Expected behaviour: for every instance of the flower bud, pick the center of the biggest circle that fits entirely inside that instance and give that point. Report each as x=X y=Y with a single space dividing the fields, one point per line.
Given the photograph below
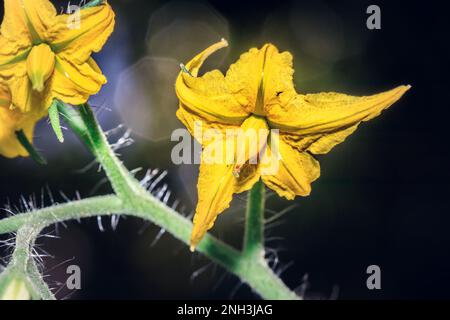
x=40 y=65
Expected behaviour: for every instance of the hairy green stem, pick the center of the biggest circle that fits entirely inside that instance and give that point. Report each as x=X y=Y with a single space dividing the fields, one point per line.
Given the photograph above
x=254 y=222
x=22 y=267
x=41 y=289
x=84 y=124
x=134 y=200
x=123 y=183
x=255 y=273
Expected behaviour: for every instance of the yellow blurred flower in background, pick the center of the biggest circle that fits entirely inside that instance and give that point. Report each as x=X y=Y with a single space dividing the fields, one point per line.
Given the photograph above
x=257 y=93
x=46 y=56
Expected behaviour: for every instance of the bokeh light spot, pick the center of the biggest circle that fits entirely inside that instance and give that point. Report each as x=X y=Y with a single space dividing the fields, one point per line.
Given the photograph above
x=181 y=29
x=145 y=97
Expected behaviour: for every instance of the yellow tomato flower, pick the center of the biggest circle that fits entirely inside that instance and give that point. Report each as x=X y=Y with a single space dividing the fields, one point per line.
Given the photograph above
x=257 y=92
x=44 y=56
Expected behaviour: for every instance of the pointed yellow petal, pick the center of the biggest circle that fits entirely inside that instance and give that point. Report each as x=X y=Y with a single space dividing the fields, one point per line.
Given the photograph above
x=40 y=66
x=217 y=182
x=11 y=52
x=195 y=124
x=208 y=97
x=318 y=122
x=215 y=191
x=73 y=83
x=245 y=76
x=319 y=143
x=14 y=26
x=216 y=186
x=91 y=62
x=329 y=112
x=23 y=96
x=293 y=172
x=261 y=75
x=76 y=40
x=196 y=63
x=84 y=76
x=13 y=74
x=28 y=21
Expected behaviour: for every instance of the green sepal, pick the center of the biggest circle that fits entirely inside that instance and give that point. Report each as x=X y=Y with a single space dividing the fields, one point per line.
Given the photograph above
x=34 y=154
x=53 y=115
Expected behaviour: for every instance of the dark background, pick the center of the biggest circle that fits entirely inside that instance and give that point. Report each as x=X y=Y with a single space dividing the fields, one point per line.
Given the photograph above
x=383 y=195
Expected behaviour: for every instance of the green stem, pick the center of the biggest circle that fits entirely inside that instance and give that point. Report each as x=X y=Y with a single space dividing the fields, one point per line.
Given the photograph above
x=254 y=222
x=84 y=124
x=136 y=201
x=22 y=264
x=253 y=272
x=40 y=288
